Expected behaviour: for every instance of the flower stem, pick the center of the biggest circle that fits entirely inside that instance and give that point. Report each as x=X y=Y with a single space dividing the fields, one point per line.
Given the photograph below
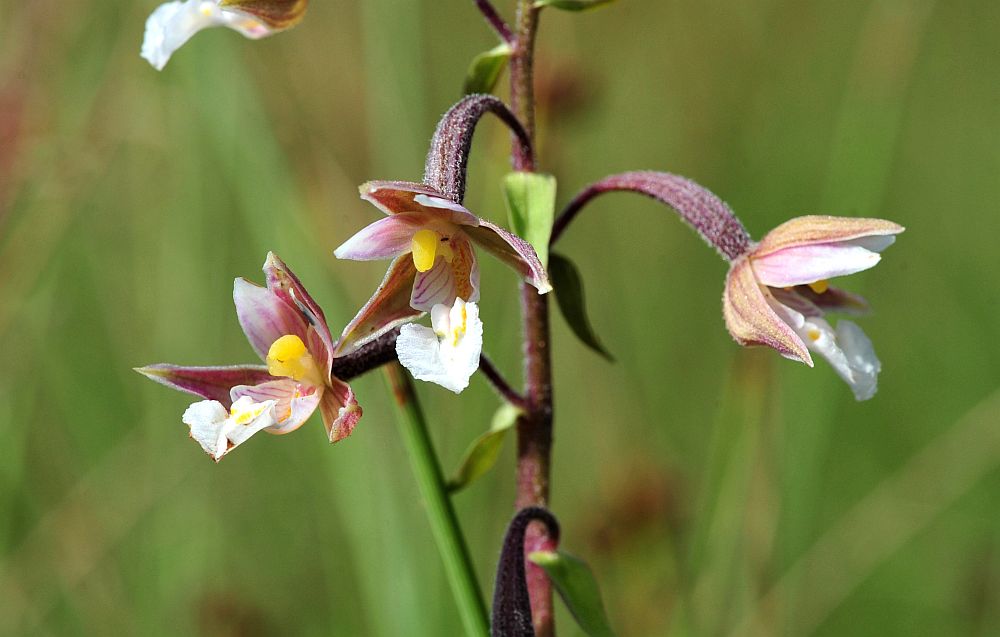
x=490 y=13
x=444 y=523
x=534 y=428
x=500 y=383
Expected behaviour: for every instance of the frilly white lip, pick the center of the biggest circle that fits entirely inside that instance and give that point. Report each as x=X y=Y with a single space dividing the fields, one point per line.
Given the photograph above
x=448 y=353
x=174 y=23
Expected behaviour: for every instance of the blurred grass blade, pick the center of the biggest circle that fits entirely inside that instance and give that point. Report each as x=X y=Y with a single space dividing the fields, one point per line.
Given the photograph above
x=485 y=69
x=578 y=589
x=531 y=202
x=483 y=452
x=568 y=285
x=572 y=5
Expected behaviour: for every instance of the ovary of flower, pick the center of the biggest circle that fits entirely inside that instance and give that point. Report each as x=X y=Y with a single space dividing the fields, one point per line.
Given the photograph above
x=288 y=356
x=426 y=245
x=448 y=352
x=219 y=431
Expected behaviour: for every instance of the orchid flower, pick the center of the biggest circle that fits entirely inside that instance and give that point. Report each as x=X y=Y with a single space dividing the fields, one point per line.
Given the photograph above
x=289 y=332
x=777 y=293
x=174 y=23
x=434 y=266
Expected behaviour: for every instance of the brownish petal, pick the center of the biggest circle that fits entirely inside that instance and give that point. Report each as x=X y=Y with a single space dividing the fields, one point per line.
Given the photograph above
x=814 y=229
x=512 y=250
x=835 y=300
x=277 y=14
x=286 y=286
x=388 y=307
x=395 y=197
x=750 y=319
x=211 y=383
x=340 y=410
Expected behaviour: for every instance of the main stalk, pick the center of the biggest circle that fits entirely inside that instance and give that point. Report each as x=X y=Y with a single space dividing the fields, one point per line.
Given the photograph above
x=534 y=429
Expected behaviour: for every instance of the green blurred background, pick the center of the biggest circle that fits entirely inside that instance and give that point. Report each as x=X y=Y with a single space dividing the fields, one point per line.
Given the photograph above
x=714 y=490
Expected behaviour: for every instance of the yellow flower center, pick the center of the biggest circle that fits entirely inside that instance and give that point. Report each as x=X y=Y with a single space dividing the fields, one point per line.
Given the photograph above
x=289 y=357
x=458 y=331
x=820 y=286
x=426 y=245
x=246 y=413
x=813 y=335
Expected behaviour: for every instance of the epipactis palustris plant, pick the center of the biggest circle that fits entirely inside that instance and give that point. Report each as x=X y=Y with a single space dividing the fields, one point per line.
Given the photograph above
x=288 y=331
x=777 y=294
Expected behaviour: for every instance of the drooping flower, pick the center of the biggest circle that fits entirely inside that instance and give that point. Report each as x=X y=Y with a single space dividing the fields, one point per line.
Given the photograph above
x=430 y=241
x=777 y=293
x=446 y=353
x=174 y=23
x=290 y=334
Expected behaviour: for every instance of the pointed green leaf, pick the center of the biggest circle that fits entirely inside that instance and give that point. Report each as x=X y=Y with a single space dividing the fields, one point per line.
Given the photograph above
x=572 y=5
x=568 y=286
x=485 y=69
x=579 y=591
x=483 y=452
x=531 y=202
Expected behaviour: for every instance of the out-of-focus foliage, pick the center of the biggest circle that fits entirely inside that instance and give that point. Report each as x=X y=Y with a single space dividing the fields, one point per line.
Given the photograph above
x=713 y=490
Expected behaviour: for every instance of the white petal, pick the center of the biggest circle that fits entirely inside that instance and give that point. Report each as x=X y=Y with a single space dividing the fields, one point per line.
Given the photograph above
x=874 y=243
x=860 y=354
x=206 y=420
x=219 y=431
x=174 y=23
x=808 y=264
x=450 y=361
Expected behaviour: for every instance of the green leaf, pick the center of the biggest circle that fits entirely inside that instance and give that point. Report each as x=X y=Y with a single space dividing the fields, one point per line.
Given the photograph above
x=578 y=589
x=483 y=452
x=572 y=5
x=531 y=202
x=568 y=286
x=485 y=69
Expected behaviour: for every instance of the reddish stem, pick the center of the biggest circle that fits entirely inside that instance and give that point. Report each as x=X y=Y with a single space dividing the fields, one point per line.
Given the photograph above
x=498 y=23
x=534 y=428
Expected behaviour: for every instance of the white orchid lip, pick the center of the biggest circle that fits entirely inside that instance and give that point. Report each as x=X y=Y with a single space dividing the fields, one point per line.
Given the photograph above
x=172 y=24
x=447 y=353
x=219 y=431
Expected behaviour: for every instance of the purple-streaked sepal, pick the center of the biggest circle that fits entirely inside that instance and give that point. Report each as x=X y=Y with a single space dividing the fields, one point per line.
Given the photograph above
x=750 y=318
x=388 y=307
x=264 y=316
x=340 y=410
x=810 y=230
x=396 y=197
x=512 y=250
x=283 y=283
x=211 y=383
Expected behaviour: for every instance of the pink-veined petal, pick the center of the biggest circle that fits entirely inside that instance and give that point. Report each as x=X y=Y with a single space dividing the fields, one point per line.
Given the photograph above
x=264 y=317
x=212 y=383
x=815 y=229
x=388 y=307
x=340 y=410
x=750 y=319
x=387 y=238
x=294 y=402
x=465 y=268
x=513 y=251
x=395 y=197
x=434 y=286
x=811 y=263
x=218 y=431
x=283 y=283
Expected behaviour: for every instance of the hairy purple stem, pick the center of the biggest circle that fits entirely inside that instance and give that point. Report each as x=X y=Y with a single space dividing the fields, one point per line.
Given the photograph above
x=495 y=21
x=448 y=157
x=500 y=383
x=512 y=610
x=698 y=207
